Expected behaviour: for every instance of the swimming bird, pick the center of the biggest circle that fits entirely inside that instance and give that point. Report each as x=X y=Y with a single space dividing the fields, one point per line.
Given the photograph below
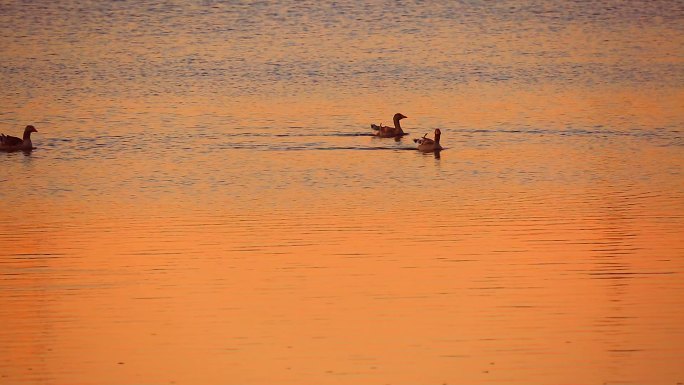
x=12 y=143
x=390 y=132
x=428 y=145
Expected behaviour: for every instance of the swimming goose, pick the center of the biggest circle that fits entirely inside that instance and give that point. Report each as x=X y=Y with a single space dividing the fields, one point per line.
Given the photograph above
x=390 y=132
x=12 y=143
x=429 y=145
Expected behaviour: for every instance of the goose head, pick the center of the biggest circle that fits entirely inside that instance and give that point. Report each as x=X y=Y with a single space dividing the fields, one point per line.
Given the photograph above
x=27 y=132
x=397 y=118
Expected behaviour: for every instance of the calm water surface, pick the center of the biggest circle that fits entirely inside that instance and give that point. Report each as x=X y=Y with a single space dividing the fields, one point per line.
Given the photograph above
x=206 y=204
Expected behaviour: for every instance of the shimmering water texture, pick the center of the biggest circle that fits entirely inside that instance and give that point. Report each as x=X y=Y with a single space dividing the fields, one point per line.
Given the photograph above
x=206 y=203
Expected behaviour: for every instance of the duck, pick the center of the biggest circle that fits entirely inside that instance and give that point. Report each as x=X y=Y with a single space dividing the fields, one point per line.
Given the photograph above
x=10 y=143
x=428 y=145
x=390 y=132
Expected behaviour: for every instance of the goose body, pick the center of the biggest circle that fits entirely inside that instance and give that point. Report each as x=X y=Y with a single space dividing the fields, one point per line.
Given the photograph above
x=429 y=145
x=390 y=132
x=10 y=143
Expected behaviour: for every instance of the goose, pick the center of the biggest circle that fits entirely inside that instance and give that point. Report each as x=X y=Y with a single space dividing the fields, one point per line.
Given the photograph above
x=390 y=132
x=12 y=143
x=429 y=145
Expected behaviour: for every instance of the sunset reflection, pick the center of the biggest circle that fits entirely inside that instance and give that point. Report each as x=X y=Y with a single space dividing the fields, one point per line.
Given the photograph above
x=207 y=203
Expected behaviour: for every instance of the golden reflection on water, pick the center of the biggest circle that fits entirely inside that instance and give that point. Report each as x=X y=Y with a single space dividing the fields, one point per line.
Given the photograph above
x=471 y=106
x=491 y=279
x=211 y=210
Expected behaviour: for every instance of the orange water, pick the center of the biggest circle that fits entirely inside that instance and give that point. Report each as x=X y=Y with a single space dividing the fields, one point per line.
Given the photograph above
x=206 y=204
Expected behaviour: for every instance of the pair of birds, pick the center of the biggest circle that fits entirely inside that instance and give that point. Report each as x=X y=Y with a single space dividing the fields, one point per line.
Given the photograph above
x=425 y=144
x=12 y=143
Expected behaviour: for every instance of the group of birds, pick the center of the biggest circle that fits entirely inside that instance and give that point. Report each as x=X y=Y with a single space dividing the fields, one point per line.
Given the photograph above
x=12 y=143
x=425 y=144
